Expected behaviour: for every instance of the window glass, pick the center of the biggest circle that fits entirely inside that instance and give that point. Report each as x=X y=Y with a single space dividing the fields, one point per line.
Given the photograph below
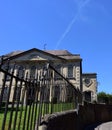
x=9 y=71
x=21 y=71
x=18 y=93
x=70 y=71
x=58 y=69
x=5 y=94
x=32 y=72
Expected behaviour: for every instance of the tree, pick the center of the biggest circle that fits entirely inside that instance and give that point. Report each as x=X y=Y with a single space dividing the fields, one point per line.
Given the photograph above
x=109 y=98
x=104 y=98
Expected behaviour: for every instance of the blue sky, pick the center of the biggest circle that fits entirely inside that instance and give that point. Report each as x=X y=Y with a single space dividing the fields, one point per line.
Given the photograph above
x=81 y=26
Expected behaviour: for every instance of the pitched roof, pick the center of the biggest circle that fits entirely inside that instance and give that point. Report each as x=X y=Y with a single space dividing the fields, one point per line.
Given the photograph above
x=58 y=52
x=13 y=53
x=16 y=54
x=63 y=54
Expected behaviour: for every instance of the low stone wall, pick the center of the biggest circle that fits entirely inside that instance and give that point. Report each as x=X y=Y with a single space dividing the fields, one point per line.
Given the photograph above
x=77 y=119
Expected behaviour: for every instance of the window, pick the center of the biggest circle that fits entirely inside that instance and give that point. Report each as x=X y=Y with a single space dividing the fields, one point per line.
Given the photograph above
x=32 y=72
x=9 y=71
x=58 y=69
x=5 y=94
x=87 y=82
x=21 y=71
x=6 y=67
x=70 y=71
x=18 y=93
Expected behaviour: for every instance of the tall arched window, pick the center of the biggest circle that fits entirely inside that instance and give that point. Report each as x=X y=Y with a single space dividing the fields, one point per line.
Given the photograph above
x=32 y=72
x=9 y=71
x=5 y=94
x=21 y=71
x=70 y=71
x=58 y=69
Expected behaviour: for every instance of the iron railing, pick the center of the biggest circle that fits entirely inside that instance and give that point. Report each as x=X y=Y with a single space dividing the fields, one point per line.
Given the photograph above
x=25 y=100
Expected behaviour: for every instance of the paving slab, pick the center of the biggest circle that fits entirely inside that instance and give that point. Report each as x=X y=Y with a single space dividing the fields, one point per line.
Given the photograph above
x=105 y=126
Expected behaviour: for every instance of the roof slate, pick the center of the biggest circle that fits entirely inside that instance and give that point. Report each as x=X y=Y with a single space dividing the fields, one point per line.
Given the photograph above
x=58 y=52
x=64 y=54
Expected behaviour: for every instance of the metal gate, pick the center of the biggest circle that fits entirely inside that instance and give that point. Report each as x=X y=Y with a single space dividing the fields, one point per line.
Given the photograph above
x=24 y=100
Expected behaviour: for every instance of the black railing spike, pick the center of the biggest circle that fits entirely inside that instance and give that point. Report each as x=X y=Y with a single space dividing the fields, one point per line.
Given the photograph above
x=37 y=96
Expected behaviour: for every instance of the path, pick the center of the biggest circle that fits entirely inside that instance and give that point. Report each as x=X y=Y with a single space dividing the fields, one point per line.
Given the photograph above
x=102 y=126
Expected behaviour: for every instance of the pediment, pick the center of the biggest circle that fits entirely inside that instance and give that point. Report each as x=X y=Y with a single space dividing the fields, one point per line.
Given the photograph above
x=34 y=55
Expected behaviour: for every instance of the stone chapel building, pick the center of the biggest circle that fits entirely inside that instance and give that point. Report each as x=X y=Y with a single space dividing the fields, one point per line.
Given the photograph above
x=66 y=63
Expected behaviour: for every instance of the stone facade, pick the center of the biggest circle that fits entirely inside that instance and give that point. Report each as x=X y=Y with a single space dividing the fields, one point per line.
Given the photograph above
x=89 y=81
x=66 y=63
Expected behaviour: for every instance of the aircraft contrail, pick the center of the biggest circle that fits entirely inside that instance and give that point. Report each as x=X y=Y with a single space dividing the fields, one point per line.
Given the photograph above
x=82 y=5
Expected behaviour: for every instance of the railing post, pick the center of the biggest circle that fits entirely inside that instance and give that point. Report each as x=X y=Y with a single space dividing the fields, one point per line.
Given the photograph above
x=42 y=98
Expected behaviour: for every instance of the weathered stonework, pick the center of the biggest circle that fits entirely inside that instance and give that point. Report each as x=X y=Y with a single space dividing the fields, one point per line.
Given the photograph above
x=33 y=61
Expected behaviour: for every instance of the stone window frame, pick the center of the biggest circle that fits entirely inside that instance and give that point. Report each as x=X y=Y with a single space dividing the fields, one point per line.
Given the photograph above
x=59 y=70
x=70 y=68
x=5 y=93
x=32 y=71
x=9 y=70
x=87 y=81
x=21 y=71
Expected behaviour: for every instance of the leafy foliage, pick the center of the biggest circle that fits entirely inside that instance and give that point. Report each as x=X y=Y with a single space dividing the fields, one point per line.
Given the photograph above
x=104 y=98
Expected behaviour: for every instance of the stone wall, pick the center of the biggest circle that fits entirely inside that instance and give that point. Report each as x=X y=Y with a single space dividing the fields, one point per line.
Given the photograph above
x=77 y=120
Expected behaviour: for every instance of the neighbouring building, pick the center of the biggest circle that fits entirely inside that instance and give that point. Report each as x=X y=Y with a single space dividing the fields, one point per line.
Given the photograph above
x=66 y=63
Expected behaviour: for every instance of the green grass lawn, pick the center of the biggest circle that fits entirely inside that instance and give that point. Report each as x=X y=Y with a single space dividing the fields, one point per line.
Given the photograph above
x=19 y=120
x=31 y=112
